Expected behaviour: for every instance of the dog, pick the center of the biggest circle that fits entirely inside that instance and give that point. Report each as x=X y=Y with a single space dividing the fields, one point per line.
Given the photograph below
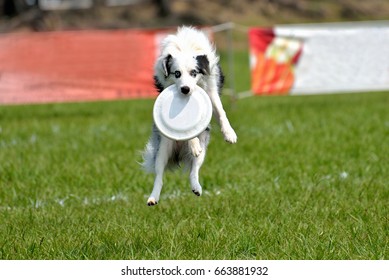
x=187 y=59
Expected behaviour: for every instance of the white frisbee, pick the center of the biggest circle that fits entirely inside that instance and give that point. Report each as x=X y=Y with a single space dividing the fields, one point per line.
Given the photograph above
x=182 y=117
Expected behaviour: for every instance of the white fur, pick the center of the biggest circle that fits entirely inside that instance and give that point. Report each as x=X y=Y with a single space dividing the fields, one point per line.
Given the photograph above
x=181 y=53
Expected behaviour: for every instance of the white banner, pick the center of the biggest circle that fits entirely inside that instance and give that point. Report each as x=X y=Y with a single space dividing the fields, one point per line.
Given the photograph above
x=340 y=57
x=188 y=270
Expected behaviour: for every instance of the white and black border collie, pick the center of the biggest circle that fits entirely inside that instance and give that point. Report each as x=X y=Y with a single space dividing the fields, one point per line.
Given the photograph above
x=187 y=59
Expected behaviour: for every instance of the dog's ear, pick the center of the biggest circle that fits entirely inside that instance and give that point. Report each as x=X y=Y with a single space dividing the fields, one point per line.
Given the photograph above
x=203 y=64
x=166 y=62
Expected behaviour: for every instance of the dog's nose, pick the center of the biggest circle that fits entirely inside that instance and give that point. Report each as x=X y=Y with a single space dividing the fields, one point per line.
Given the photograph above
x=185 y=89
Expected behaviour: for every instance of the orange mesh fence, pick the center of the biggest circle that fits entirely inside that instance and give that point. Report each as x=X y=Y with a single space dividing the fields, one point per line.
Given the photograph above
x=77 y=66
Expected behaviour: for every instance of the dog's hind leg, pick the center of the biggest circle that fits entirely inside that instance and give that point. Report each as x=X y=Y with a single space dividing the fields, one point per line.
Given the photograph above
x=163 y=154
x=195 y=147
x=194 y=173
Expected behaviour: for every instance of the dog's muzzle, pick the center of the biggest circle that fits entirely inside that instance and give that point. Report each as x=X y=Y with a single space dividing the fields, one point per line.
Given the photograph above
x=185 y=90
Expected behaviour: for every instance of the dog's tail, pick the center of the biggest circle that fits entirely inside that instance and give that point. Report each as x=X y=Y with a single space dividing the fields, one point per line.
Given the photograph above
x=148 y=164
x=150 y=152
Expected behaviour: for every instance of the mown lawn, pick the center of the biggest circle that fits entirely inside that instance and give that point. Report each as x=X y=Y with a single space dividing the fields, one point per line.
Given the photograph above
x=308 y=179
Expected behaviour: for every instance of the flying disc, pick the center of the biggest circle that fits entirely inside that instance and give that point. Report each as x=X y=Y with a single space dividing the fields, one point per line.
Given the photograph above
x=182 y=116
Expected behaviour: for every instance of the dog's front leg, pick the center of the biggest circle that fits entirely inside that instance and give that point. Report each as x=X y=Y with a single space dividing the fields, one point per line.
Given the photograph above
x=163 y=154
x=221 y=116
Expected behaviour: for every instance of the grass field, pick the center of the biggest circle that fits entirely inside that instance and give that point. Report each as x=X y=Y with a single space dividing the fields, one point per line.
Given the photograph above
x=308 y=179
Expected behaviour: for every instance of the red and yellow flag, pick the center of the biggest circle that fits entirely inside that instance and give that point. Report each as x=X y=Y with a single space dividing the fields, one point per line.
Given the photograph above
x=272 y=61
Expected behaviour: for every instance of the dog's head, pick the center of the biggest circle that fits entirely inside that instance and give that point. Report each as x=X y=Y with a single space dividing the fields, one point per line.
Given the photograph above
x=185 y=71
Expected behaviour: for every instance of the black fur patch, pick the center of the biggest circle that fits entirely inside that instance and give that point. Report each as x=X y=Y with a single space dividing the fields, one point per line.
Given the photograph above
x=203 y=64
x=158 y=84
x=220 y=82
x=167 y=64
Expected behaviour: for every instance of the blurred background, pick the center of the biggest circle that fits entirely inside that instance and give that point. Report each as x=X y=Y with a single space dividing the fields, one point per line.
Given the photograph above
x=112 y=58
x=49 y=15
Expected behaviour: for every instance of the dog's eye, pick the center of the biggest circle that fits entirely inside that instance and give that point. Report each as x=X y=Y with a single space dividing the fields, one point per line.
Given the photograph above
x=193 y=73
x=177 y=74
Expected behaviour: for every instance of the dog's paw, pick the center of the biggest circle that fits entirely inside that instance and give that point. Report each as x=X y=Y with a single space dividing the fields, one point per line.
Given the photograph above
x=195 y=147
x=196 y=150
x=197 y=190
x=151 y=201
x=230 y=135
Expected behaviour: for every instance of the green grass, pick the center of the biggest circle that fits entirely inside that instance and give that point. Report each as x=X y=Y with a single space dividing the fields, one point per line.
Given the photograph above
x=308 y=179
